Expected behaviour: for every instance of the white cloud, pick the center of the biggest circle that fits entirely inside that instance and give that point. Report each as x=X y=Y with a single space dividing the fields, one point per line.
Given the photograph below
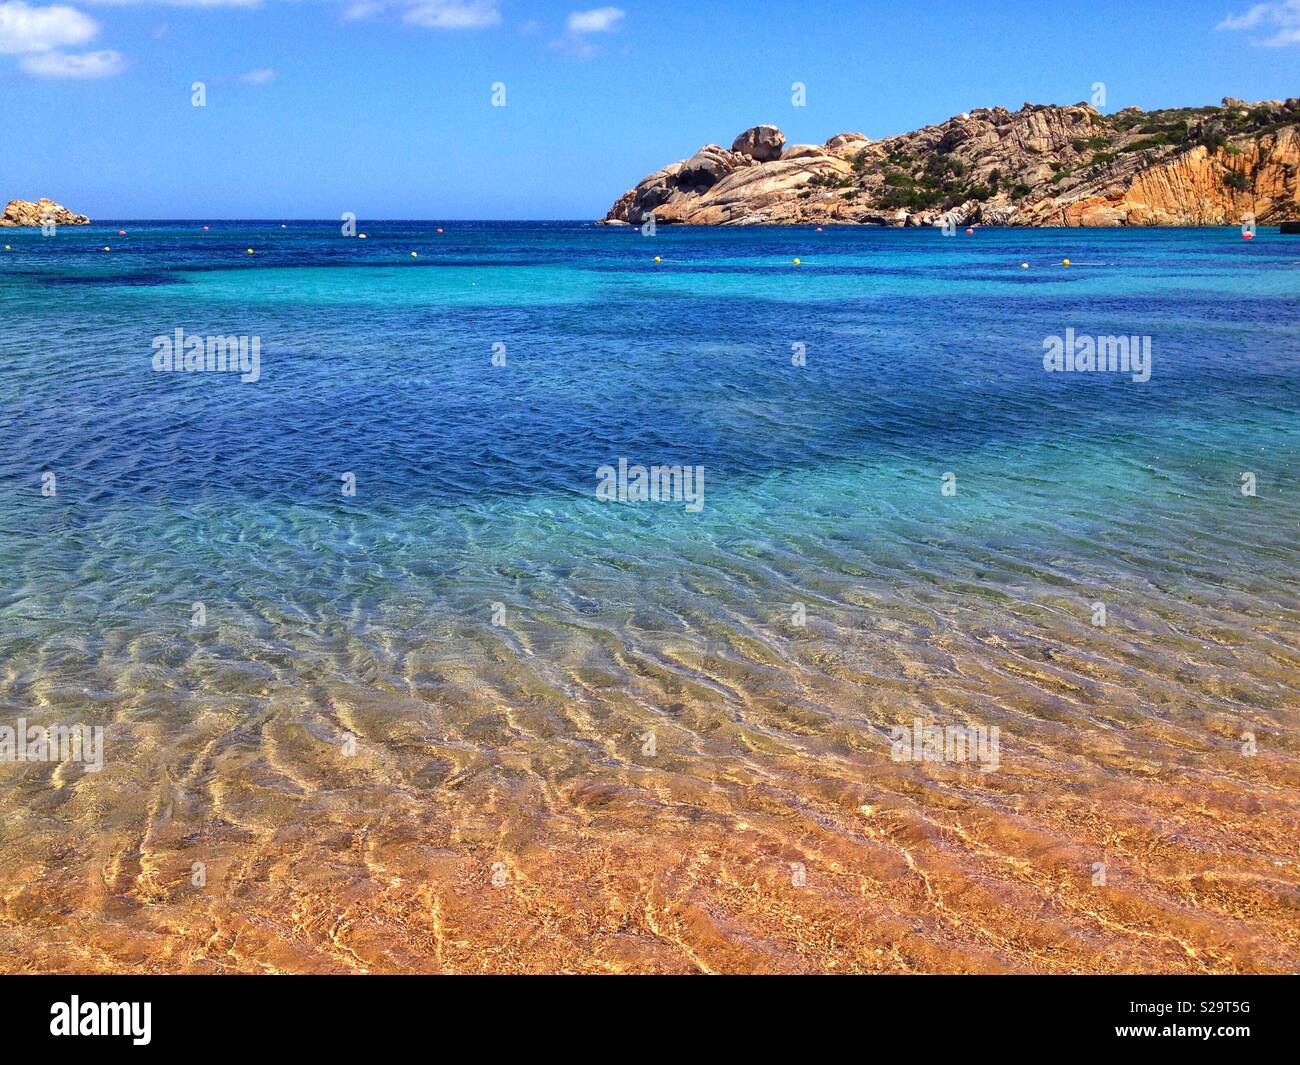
x=26 y=29
x=264 y=76
x=454 y=14
x=1280 y=19
x=597 y=20
x=86 y=65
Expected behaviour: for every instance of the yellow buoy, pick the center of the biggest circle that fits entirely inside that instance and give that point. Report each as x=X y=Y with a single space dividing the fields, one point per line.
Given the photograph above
x=657 y=259
x=250 y=251
x=7 y=247
x=107 y=248
x=1065 y=262
x=796 y=262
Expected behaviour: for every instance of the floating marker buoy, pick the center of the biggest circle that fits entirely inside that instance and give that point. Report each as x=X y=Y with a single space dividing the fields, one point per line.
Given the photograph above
x=121 y=232
x=1065 y=262
x=657 y=259
x=107 y=248
x=1024 y=266
x=414 y=255
x=1248 y=236
x=796 y=262
x=250 y=251
x=205 y=229
x=284 y=227
x=970 y=232
x=439 y=229
x=819 y=229
x=7 y=247
x=361 y=236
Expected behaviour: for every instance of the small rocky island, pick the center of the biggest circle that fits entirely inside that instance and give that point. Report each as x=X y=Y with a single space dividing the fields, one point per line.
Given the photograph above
x=35 y=213
x=1044 y=165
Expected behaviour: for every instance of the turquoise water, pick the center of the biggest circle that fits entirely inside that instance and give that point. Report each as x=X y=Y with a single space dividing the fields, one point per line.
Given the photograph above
x=475 y=611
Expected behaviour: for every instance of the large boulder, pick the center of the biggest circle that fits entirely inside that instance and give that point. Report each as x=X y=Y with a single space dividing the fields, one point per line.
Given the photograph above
x=27 y=213
x=847 y=143
x=708 y=166
x=763 y=144
x=804 y=151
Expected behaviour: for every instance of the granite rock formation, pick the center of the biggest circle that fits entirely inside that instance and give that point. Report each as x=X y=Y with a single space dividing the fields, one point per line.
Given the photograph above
x=1044 y=165
x=29 y=213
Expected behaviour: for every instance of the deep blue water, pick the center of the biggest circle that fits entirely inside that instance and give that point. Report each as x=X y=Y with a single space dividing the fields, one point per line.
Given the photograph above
x=923 y=356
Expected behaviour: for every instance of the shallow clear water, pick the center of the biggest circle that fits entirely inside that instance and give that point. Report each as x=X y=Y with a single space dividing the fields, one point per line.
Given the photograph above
x=412 y=731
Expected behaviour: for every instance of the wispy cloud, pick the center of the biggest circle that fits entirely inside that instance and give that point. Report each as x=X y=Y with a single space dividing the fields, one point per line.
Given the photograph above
x=1279 y=20
x=581 y=24
x=26 y=29
x=179 y=3
x=597 y=20
x=103 y=64
x=362 y=10
x=264 y=76
x=454 y=14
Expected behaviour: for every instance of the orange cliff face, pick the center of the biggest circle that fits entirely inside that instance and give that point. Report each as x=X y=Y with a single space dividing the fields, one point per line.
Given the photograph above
x=1041 y=166
x=1261 y=178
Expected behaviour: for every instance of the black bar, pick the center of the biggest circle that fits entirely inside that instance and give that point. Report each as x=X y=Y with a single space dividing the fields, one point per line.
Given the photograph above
x=337 y=1014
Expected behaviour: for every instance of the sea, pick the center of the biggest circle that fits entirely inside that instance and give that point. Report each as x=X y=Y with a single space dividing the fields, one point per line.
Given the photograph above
x=552 y=597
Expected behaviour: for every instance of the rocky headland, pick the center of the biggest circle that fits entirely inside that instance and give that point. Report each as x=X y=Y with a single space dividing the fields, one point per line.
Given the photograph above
x=1044 y=165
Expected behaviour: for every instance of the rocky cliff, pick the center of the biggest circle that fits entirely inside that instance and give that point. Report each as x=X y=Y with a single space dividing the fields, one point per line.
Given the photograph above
x=1043 y=165
x=27 y=213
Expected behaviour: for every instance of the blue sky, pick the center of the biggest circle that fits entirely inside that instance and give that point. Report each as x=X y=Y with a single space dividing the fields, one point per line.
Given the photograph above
x=384 y=107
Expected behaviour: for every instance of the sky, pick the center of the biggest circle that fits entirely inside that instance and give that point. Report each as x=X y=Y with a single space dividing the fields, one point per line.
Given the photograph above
x=385 y=108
